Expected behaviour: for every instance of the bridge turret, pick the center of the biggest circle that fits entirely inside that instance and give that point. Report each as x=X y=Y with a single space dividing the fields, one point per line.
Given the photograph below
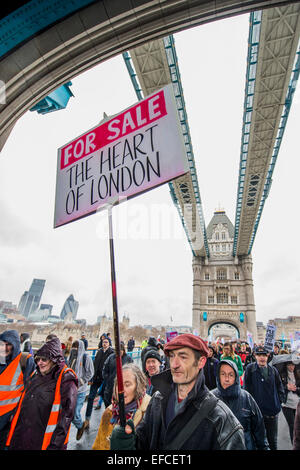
x=223 y=284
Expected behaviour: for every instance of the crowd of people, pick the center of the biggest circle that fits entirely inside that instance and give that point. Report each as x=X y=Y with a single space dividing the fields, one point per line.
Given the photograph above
x=186 y=395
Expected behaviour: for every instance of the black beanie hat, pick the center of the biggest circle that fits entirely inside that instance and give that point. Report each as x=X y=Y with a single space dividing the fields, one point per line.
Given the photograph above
x=152 y=354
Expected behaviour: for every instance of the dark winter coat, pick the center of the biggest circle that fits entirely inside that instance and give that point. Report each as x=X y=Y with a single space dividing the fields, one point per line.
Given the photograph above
x=284 y=378
x=130 y=345
x=99 y=361
x=210 y=372
x=150 y=390
x=109 y=373
x=12 y=337
x=268 y=393
x=38 y=400
x=296 y=439
x=245 y=408
x=220 y=430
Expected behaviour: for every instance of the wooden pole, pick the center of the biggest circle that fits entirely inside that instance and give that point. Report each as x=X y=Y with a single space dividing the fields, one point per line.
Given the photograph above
x=116 y=323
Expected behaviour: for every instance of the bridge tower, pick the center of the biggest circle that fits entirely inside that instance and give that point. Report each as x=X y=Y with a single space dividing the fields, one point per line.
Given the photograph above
x=223 y=284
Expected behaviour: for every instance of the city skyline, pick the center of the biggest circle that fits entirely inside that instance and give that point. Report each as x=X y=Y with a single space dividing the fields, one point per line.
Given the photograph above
x=30 y=302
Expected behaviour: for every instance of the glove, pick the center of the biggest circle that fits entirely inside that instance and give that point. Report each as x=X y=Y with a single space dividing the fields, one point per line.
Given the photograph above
x=120 y=440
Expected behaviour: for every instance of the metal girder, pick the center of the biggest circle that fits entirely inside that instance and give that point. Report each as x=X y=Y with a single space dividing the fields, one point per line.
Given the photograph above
x=151 y=67
x=271 y=78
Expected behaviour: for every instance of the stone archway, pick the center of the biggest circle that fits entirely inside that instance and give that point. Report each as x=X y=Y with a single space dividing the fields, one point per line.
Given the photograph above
x=226 y=333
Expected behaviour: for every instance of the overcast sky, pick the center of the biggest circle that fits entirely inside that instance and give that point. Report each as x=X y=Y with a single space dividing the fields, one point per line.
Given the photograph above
x=153 y=257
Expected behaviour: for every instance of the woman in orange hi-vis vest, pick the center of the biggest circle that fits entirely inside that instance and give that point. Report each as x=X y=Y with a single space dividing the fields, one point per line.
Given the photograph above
x=45 y=411
x=15 y=369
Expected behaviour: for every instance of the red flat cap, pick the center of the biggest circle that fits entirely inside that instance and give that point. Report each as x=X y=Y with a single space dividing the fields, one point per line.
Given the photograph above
x=187 y=340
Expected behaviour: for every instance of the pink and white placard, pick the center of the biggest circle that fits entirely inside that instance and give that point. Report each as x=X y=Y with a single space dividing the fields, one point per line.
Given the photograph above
x=126 y=155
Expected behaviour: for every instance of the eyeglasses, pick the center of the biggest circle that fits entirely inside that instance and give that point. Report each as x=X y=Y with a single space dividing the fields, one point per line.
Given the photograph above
x=43 y=359
x=230 y=375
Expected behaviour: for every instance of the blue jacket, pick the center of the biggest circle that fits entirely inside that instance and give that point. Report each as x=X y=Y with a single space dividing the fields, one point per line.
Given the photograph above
x=12 y=337
x=268 y=393
x=245 y=408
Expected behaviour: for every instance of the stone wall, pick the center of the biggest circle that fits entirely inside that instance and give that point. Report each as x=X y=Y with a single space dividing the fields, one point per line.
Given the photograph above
x=92 y=333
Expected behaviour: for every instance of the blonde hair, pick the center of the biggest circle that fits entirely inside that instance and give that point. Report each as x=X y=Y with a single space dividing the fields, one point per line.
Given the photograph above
x=140 y=380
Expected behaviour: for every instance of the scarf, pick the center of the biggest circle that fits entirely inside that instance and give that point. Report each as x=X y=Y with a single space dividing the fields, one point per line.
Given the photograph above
x=230 y=392
x=130 y=409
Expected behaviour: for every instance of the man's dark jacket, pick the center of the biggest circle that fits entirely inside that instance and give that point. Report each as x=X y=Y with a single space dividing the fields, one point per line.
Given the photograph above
x=268 y=393
x=109 y=373
x=100 y=358
x=130 y=345
x=220 y=430
x=284 y=378
x=245 y=408
x=210 y=372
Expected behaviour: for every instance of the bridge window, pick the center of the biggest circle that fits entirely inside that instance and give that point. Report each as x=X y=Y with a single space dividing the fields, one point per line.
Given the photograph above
x=217 y=247
x=223 y=236
x=217 y=235
x=221 y=274
x=224 y=247
x=211 y=299
x=206 y=276
x=234 y=299
x=236 y=276
x=222 y=298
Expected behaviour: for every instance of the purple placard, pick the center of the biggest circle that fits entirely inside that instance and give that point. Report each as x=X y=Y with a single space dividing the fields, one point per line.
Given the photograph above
x=170 y=335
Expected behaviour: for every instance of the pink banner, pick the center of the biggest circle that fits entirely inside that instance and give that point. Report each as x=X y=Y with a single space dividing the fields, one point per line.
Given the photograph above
x=144 y=113
x=170 y=335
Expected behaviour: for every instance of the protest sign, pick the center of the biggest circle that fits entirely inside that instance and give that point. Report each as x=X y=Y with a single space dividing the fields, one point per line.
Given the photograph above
x=126 y=155
x=170 y=335
x=270 y=337
x=296 y=343
x=250 y=339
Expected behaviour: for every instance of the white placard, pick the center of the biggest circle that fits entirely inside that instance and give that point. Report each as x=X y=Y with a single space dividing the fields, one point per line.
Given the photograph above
x=270 y=337
x=126 y=155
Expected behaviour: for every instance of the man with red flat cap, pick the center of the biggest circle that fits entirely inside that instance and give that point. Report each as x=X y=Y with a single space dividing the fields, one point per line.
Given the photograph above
x=183 y=414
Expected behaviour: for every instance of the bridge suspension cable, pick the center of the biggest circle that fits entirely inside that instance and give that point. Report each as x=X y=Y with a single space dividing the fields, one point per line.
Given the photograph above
x=185 y=196
x=271 y=77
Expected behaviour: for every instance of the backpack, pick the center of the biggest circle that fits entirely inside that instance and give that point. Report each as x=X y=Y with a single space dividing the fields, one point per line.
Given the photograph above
x=23 y=360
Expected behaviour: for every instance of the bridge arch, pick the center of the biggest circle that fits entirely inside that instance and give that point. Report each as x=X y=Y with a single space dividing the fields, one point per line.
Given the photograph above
x=67 y=46
x=221 y=322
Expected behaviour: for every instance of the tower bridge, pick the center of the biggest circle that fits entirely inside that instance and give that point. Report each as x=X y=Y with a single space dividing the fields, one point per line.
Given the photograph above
x=40 y=52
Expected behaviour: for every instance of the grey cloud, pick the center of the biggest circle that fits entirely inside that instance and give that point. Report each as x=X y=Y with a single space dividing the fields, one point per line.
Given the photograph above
x=13 y=230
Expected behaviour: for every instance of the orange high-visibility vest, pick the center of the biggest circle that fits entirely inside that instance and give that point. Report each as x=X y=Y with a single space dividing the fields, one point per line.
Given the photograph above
x=53 y=417
x=11 y=386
